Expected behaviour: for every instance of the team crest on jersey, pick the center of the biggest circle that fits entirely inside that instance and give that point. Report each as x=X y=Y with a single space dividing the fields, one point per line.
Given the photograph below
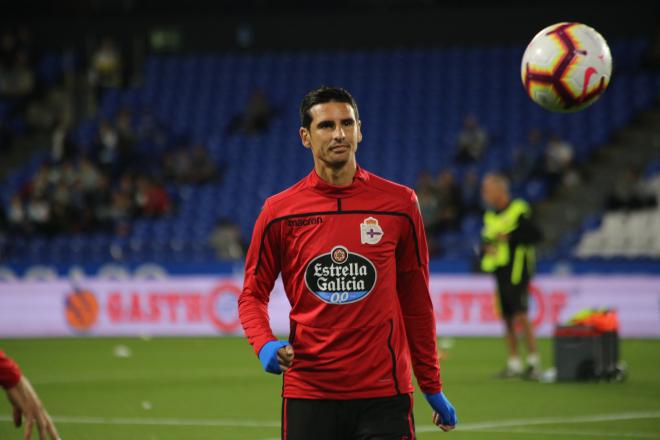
x=370 y=231
x=340 y=276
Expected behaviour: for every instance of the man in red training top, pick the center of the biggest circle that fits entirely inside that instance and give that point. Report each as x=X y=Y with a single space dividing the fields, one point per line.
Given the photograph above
x=351 y=249
x=25 y=401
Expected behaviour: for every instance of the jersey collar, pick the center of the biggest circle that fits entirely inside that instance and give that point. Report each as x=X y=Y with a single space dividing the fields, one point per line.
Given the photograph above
x=321 y=186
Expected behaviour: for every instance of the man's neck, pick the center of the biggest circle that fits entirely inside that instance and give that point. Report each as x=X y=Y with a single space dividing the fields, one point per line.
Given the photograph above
x=503 y=203
x=342 y=176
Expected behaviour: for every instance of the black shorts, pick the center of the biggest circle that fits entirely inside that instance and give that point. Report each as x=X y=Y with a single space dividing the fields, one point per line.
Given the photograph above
x=514 y=298
x=384 y=418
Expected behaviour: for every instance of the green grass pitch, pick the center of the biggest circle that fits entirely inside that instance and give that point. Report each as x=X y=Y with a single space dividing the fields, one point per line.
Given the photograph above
x=213 y=388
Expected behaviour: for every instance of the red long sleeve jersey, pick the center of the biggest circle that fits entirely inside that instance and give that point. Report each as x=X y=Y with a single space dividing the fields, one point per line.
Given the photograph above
x=354 y=265
x=10 y=374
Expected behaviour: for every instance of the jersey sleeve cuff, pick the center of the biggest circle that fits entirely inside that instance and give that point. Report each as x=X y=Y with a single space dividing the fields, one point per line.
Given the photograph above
x=11 y=377
x=431 y=389
x=259 y=344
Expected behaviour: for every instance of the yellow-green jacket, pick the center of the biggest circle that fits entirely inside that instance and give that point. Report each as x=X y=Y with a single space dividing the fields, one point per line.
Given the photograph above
x=513 y=233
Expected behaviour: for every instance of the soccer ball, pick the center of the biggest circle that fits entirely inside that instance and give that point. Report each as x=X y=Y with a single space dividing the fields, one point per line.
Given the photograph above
x=566 y=67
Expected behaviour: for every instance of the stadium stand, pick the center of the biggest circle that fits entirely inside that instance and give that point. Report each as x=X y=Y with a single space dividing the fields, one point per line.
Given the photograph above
x=432 y=90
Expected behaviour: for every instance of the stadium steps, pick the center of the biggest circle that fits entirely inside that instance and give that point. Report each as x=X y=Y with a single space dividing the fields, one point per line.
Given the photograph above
x=635 y=145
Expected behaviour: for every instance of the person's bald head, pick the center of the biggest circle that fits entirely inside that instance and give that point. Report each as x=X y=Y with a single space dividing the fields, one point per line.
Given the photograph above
x=495 y=190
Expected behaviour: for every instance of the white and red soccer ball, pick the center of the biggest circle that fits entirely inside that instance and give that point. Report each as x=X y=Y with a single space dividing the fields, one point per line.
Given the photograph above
x=566 y=67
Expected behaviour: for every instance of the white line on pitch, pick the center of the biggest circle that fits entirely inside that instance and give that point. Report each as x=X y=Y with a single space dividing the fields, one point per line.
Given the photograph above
x=477 y=426
x=573 y=433
x=81 y=420
x=548 y=421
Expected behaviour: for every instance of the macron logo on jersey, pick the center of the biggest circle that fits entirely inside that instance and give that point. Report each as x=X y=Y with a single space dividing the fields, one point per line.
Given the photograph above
x=307 y=221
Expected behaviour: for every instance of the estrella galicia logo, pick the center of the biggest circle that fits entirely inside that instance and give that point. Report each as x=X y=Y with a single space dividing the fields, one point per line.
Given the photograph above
x=340 y=276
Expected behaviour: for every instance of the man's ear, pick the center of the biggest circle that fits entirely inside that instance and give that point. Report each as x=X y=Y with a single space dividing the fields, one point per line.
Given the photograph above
x=359 y=127
x=305 y=137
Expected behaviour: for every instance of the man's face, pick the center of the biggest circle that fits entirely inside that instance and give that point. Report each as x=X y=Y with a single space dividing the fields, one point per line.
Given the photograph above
x=333 y=135
x=490 y=191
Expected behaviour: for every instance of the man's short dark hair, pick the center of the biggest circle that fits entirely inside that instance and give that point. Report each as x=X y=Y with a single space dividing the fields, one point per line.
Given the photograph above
x=322 y=95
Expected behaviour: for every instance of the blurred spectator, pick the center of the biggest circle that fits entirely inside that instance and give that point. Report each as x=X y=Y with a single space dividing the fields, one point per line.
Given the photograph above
x=62 y=145
x=62 y=215
x=121 y=213
x=125 y=132
x=256 y=118
x=89 y=175
x=428 y=201
x=472 y=141
x=177 y=165
x=66 y=173
x=194 y=166
x=39 y=214
x=450 y=201
x=123 y=206
x=41 y=181
x=429 y=209
x=150 y=131
x=226 y=240
x=471 y=191
x=525 y=157
x=18 y=81
x=631 y=193
x=99 y=201
x=126 y=185
x=558 y=159
x=203 y=167
x=107 y=150
x=440 y=204
x=17 y=217
x=106 y=66
x=151 y=198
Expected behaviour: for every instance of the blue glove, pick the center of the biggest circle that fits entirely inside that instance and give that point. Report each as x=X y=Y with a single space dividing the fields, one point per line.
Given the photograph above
x=442 y=406
x=268 y=356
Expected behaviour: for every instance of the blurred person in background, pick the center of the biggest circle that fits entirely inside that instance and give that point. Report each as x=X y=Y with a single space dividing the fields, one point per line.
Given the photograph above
x=17 y=216
x=226 y=240
x=19 y=80
x=177 y=165
x=106 y=67
x=151 y=198
x=63 y=147
x=39 y=215
x=126 y=139
x=525 y=157
x=429 y=209
x=26 y=405
x=508 y=238
x=472 y=141
x=558 y=159
x=256 y=118
x=106 y=147
x=204 y=167
x=631 y=193
x=450 y=201
x=471 y=192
